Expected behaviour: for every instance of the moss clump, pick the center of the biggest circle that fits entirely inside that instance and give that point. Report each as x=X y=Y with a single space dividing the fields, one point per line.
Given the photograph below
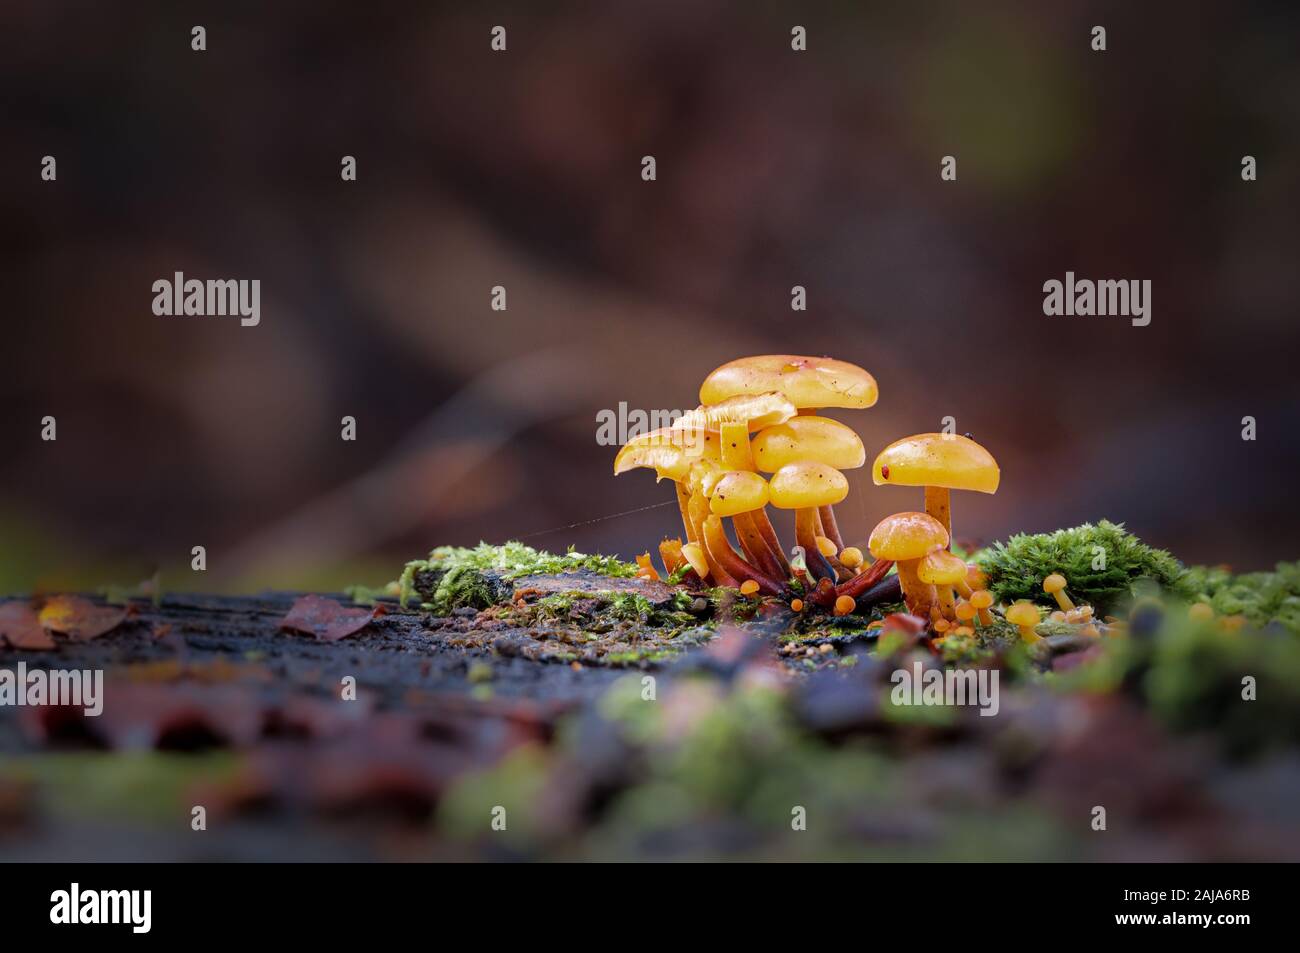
x=471 y=576
x=1103 y=565
x=512 y=560
x=1262 y=597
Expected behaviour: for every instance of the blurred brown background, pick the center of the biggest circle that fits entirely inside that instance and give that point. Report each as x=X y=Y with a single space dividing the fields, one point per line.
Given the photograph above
x=522 y=169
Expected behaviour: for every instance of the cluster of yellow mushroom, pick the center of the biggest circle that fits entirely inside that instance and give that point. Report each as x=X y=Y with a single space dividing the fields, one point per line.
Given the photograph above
x=757 y=416
x=936 y=584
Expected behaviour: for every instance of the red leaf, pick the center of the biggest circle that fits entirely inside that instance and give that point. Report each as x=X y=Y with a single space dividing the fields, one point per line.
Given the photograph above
x=20 y=627
x=325 y=618
x=80 y=619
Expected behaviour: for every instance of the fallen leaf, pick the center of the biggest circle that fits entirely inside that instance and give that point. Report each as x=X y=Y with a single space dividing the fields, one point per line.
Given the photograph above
x=20 y=627
x=325 y=618
x=80 y=619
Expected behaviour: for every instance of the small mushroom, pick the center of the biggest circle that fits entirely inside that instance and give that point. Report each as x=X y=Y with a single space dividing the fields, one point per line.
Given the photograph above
x=1054 y=585
x=1024 y=616
x=964 y=611
x=940 y=462
x=803 y=487
x=906 y=538
x=943 y=570
x=981 y=600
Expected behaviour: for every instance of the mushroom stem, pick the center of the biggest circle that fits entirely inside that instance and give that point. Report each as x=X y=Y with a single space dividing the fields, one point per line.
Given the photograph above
x=718 y=547
x=823 y=594
x=755 y=546
x=946 y=604
x=699 y=510
x=768 y=531
x=805 y=531
x=886 y=590
x=830 y=527
x=918 y=596
x=683 y=502
x=860 y=583
x=734 y=446
x=938 y=503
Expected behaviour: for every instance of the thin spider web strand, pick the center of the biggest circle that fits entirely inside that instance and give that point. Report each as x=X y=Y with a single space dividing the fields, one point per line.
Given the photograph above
x=599 y=519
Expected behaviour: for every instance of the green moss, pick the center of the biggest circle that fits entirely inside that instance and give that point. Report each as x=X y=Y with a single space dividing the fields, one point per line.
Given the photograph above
x=1262 y=597
x=630 y=607
x=512 y=560
x=1104 y=566
x=146 y=787
x=463 y=579
x=462 y=586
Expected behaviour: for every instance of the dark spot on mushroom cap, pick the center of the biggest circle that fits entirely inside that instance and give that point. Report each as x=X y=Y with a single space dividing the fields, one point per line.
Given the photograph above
x=884 y=473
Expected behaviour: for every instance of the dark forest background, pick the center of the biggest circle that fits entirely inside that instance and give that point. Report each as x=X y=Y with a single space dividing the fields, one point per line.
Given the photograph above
x=522 y=169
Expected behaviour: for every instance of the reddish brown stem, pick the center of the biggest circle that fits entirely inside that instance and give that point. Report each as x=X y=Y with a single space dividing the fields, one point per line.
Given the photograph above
x=764 y=526
x=823 y=594
x=755 y=546
x=866 y=579
x=832 y=528
x=805 y=530
x=720 y=549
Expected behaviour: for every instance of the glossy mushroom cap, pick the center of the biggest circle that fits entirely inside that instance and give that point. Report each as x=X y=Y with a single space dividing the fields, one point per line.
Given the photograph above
x=905 y=536
x=670 y=452
x=757 y=410
x=937 y=459
x=805 y=381
x=941 y=568
x=739 y=491
x=808 y=438
x=981 y=599
x=1053 y=583
x=1023 y=613
x=807 y=483
x=666 y=461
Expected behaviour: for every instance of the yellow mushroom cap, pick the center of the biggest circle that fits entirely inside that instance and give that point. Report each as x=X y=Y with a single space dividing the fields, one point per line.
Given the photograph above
x=669 y=452
x=666 y=461
x=757 y=410
x=941 y=568
x=1023 y=613
x=808 y=438
x=937 y=459
x=804 y=381
x=981 y=599
x=807 y=483
x=1054 y=583
x=739 y=491
x=905 y=536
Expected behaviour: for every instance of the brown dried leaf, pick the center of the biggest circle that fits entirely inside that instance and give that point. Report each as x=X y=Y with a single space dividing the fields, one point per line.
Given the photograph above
x=79 y=618
x=20 y=627
x=326 y=619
